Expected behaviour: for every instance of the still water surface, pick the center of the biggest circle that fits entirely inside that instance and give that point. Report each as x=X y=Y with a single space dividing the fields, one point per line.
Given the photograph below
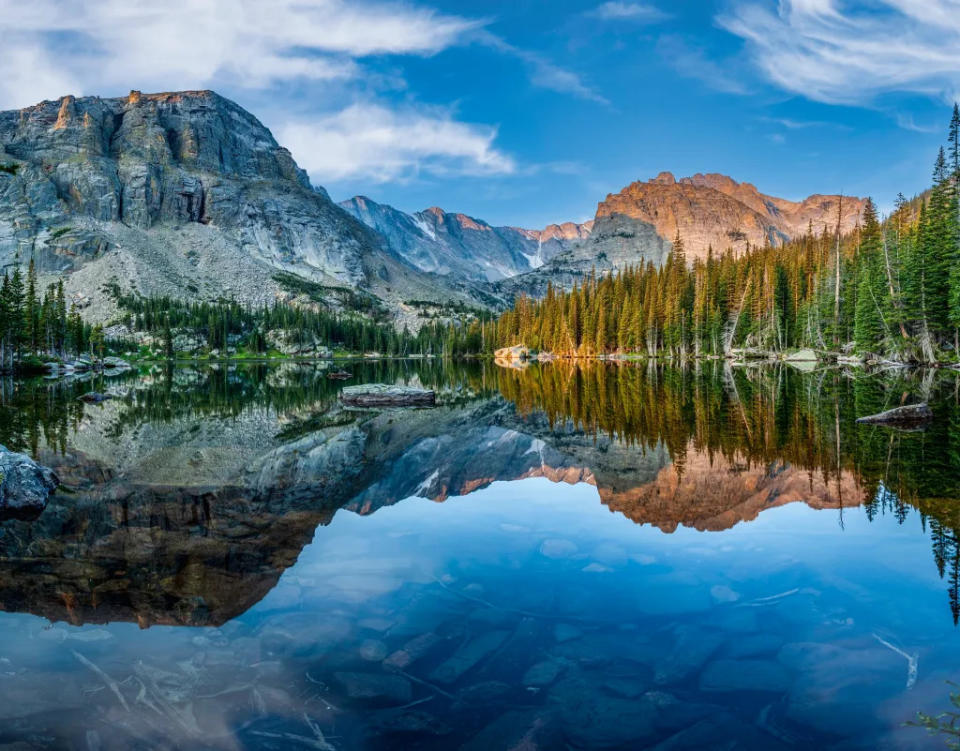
x=559 y=557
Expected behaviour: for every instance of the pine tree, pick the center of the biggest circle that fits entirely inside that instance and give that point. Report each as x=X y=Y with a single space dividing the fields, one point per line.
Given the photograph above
x=32 y=310
x=873 y=301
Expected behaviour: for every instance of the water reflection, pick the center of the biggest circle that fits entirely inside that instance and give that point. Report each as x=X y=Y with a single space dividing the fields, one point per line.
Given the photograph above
x=519 y=611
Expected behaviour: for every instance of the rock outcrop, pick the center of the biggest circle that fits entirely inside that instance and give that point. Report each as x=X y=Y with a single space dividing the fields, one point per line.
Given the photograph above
x=456 y=244
x=176 y=193
x=716 y=211
x=24 y=484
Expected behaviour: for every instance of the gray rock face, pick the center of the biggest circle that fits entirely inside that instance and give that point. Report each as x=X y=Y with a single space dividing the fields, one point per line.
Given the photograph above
x=615 y=242
x=173 y=193
x=24 y=484
x=455 y=244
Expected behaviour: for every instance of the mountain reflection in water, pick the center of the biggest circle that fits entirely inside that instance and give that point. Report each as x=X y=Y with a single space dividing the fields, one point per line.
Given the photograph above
x=191 y=499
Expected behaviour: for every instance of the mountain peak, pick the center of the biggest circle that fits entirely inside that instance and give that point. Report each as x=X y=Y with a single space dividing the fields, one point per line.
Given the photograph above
x=664 y=178
x=714 y=210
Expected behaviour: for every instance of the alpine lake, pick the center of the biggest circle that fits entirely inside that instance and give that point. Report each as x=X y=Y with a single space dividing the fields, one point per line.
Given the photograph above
x=557 y=556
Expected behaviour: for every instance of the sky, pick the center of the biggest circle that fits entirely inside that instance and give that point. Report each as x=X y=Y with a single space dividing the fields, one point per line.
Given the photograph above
x=529 y=112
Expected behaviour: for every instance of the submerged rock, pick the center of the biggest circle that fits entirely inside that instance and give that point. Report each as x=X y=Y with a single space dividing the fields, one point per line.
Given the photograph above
x=911 y=415
x=409 y=722
x=375 y=688
x=542 y=674
x=387 y=395
x=24 y=484
x=469 y=655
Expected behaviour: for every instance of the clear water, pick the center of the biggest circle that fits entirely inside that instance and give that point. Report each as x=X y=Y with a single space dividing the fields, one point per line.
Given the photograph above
x=238 y=563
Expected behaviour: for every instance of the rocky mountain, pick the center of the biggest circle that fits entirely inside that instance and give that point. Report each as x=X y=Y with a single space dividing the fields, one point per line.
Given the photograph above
x=715 y=210
x=186 y=193
x=177 y=193
x=638 y=225
x=458 y=245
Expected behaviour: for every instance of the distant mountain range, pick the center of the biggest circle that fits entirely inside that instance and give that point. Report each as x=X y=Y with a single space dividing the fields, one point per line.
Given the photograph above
x=188 y=194
x=456 y=244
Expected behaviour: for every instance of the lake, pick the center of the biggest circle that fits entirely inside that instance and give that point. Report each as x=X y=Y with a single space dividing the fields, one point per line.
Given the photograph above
x=604 y=556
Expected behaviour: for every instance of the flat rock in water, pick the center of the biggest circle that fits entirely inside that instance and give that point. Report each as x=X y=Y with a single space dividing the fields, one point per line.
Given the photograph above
x=542 y=674
x=24 y=484
x=386 y=395
x=911 y=415
x=468 y=656
x=376 y=687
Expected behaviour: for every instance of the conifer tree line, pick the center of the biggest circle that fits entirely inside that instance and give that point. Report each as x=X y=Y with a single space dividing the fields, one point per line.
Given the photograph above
x=36 y=323
x=889 y=289
x=224 y=324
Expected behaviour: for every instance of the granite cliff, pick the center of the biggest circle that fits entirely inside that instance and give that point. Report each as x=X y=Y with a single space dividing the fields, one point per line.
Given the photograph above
x=177 y=193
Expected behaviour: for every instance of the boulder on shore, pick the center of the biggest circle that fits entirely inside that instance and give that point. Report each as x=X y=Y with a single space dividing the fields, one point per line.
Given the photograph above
x=24 y=484
x=802 y=355
x=115 y=363
x=911 y=415
x=387 y=395
x=516 y=352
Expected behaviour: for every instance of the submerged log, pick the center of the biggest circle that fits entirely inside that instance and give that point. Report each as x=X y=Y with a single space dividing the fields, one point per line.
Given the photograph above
x=386 y=395
x=912 y=415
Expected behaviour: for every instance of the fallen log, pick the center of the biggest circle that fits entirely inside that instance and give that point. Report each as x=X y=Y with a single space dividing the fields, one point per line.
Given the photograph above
x=911 y=415
x=386 y=395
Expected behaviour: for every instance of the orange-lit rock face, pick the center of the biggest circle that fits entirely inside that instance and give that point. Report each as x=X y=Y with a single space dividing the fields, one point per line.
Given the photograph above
x=713 y=493
x=715 y=210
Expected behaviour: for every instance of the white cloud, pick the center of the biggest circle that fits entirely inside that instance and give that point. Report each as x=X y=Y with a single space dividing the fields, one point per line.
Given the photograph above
x=322 y=49
x=371 y=142
x=54 y=47
x=852 y=52
x=614 y=10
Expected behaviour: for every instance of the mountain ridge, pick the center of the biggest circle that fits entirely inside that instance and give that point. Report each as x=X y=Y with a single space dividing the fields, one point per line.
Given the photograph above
x=187 y=193
x=638 y=225
x=445 y=242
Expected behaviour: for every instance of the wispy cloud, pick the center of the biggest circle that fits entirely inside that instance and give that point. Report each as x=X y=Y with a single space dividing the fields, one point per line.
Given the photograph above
x=853 y=51
x=375 y=143
x=543 y=72
x=54 y=47
x=905 y=120
x=789 y=124
x=615 y=10
x=692 y=62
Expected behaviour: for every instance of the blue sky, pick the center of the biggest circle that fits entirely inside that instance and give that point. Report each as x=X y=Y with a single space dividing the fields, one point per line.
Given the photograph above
x=531 y=111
